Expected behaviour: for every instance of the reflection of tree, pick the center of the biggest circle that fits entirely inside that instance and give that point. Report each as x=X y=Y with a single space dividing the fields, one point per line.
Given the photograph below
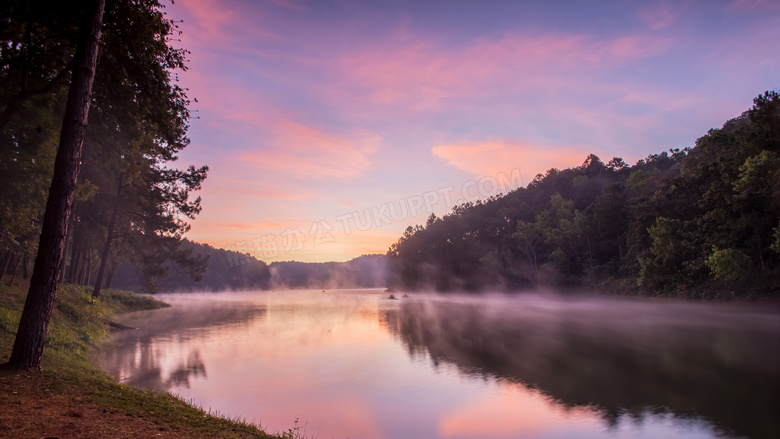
x=621 y=362
x=144 y=369
x=194 y=367
x=135 y=355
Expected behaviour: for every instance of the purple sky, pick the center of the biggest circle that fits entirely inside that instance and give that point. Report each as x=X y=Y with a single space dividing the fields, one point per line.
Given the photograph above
x=330 y=127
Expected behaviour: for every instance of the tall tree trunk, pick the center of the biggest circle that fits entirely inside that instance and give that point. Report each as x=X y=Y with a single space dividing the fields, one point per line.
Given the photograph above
x=78 y=270
x=109 y=237
x=75 y=246
x=6 y=260
x=67 y=243
x=15 y=269
x=111 y=273
x=34 y=325
x=88 y=270
x=83 y=264
x=25 y=266
x=72 y=266
x=82 y=267
x=9 y=110
x=12 y=259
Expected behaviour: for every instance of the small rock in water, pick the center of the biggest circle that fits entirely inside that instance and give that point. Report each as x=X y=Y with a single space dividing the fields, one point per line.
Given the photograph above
x=392 y=297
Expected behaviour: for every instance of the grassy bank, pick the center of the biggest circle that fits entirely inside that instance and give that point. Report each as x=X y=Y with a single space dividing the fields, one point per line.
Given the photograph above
x=72 y=397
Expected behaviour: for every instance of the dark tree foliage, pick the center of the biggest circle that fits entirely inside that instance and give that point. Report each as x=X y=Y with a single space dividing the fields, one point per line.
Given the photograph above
x=39 y=41
x=131 y=205
x=224 y=274
x=37 y=58
x=219 y=274
x=698 y=222
x=34 y=323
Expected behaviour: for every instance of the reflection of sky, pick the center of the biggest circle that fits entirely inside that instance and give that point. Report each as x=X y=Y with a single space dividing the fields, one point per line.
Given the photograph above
x=309 y=110
x=331 y=361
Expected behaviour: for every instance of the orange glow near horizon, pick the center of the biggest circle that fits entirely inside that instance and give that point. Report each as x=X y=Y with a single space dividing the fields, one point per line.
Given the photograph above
x=491 y=158
x=343 y=247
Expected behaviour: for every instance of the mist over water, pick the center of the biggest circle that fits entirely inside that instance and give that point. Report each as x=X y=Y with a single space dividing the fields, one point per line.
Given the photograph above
x=619 y=357
x=352 y=363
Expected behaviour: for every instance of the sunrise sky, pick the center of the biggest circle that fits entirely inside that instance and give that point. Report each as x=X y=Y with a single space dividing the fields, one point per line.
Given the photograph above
x=331 y=126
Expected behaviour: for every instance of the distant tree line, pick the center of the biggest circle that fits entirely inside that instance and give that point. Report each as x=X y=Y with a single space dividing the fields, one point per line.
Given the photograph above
x=131 y=205
x=218 y=274
x=367 y=271
x=698 y=222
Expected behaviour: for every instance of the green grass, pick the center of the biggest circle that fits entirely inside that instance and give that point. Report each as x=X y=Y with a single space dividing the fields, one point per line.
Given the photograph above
x=78 y=328
x=79 y=321
x=119 y=301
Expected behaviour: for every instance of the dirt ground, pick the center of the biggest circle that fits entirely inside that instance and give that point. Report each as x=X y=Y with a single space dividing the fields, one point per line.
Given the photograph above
x=33 y=405
x=38 y=405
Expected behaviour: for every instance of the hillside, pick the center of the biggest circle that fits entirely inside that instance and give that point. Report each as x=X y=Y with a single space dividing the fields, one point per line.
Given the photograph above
x=698 y=222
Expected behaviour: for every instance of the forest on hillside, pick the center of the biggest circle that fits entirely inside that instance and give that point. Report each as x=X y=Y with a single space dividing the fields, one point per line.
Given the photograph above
x=697 y=222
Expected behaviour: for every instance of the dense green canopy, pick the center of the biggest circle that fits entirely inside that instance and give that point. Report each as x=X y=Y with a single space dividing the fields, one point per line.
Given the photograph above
x=697 y=222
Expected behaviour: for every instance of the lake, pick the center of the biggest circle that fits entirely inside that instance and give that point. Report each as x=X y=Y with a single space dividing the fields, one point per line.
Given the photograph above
x=355 y=364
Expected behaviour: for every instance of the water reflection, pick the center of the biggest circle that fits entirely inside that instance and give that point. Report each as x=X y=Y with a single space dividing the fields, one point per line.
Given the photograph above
x=159 y=353
x=354 y=364
x=623 y=358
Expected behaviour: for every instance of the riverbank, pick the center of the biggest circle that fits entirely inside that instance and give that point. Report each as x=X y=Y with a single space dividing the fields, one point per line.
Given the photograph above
x=71 y=397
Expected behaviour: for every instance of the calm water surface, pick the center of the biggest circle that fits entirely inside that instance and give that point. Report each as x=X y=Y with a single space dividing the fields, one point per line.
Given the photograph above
x=354 y=364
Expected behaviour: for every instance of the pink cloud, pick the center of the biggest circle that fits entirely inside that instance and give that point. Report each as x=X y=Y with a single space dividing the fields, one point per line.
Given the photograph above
x=211 y=16
x=222 y=103
x=665 y=101
x=289 y=4
x=423 y=75
x=301 y=150
x=223 y=232
x=240 y=184
x=634 y=47
x=662 y=14
x=220 y=25
x=494 y=157
x=754 y=4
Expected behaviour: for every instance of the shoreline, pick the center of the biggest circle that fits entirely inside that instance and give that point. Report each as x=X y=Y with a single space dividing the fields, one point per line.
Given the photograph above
x=72 y=397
